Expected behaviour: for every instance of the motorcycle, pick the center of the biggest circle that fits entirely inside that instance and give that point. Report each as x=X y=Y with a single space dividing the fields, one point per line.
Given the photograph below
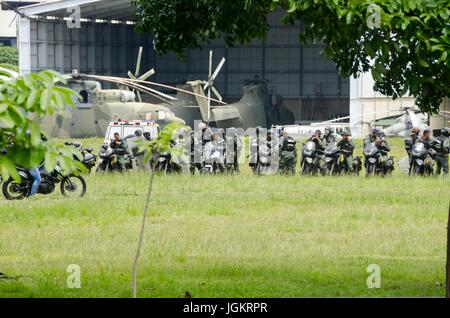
x=165 y=164
x=108 y=159
x=422 y=162
x=89 y=159
x=310 y=159
x=70 y=185
x=333 y=158
x=335 y=162
x=374 y=161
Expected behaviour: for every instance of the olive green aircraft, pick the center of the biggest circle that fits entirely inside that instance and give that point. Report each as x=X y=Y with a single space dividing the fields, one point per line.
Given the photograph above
x=192 y=101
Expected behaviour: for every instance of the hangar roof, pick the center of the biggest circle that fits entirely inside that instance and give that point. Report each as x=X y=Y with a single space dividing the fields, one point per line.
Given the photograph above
x=90 y=9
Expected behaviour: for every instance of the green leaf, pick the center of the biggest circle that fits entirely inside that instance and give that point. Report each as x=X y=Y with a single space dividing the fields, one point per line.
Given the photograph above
x=349 y=17
x=32 y=98
x=423 y=63
x=50 y=160
x=45 y=99
x=35 y=135
x=8 y=169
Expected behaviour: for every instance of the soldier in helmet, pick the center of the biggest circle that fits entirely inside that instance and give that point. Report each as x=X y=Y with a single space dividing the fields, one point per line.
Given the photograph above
x=328 y=136
x=288 y=159
x=320 y=147
x=120 y=148
x=378 y=137
x=411 y=140
x=347 y=146
x=442 y=147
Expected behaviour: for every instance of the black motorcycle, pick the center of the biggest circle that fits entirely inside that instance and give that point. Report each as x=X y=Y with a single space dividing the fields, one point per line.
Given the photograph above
x=165 y=165
x=70 y=185
x=335 y=162
x=108 y=159
x=89 y=159
x=374 y=161
x=422 y=162
x=310 y=159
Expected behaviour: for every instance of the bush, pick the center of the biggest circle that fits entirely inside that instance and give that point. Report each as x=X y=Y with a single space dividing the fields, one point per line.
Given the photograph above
x=9 y=55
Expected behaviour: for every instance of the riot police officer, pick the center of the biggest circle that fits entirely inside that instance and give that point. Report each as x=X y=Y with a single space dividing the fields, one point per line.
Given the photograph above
x=120 y=148
x=328 y=136
x=347 y=146
x=233 y=149
x=288 y=159
x=320 y=147
x=442 y=147
x=411 y=140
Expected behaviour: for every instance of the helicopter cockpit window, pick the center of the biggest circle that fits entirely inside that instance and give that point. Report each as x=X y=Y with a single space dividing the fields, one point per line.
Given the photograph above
x=85 y=100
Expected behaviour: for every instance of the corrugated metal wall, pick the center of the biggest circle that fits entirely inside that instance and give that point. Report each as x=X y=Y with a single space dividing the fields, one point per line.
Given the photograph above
x=308 y=82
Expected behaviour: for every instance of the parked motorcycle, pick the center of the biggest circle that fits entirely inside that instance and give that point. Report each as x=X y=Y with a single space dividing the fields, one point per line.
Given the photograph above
x=89 y=159
x=335 y=162
x=422 y=162
x=310 y=159
x=374 y=161
x=108 y=159
x=70 y=185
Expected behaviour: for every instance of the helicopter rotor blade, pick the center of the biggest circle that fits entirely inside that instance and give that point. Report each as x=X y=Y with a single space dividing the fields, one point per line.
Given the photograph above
x=214 y=90
x=130 y=75
x=138 y=95
x=138 y=62
x=115 y=79
x=146 y=75
x=216 y=72
x=210 y=63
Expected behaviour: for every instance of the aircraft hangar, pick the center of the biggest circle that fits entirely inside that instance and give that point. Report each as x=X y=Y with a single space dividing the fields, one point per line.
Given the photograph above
x=105 y=43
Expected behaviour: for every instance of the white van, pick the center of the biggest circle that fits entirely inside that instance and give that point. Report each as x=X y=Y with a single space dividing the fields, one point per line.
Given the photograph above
x=127 y=128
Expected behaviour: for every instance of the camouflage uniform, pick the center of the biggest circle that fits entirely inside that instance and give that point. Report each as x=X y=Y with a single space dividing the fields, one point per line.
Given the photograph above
x=442 y=147
x=348 y=146
x=288 y=159
x=383 y=147
x=320 y=147
x=121 y=149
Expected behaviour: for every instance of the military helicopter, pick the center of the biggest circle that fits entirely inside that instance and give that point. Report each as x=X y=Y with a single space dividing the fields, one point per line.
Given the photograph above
x=258 y=106
x=97 y=106
x=397 y=125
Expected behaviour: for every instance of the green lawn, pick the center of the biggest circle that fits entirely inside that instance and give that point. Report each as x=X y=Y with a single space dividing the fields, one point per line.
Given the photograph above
x=231 y=236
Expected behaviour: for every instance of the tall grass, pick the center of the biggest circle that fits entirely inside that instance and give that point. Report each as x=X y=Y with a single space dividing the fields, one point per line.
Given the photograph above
x=230 y=236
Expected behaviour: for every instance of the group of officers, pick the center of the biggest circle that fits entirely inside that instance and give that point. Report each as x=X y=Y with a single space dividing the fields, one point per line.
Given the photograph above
x=227 y=144
x=438 y=148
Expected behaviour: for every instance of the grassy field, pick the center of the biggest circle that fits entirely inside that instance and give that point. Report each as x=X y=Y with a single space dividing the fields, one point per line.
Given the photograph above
x=231 y=236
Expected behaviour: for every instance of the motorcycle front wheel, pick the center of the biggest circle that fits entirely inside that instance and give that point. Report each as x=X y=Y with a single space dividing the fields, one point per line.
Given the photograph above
x=73 y=186
x=13 y=190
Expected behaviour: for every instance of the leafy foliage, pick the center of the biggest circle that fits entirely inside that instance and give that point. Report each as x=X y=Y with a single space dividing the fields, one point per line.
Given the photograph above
x=20 y=137
x=162 y=143
x=9 y=55
x=408 y=51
